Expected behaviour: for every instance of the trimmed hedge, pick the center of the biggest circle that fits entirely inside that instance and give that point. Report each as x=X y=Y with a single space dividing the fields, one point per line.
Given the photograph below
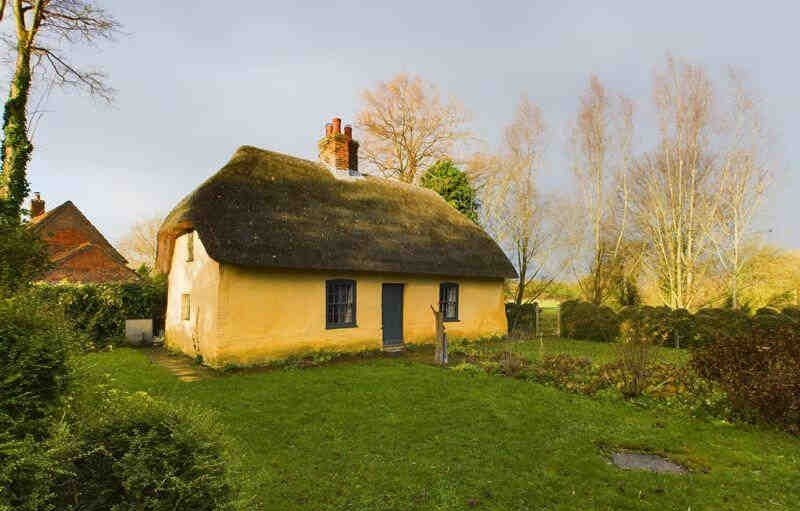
x=758 y=365
x=584 y=320
x=521 y=318
x=100 y=310
x=667 y=327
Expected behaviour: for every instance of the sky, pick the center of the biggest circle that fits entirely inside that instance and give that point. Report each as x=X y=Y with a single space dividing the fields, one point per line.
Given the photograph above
x=197 y=79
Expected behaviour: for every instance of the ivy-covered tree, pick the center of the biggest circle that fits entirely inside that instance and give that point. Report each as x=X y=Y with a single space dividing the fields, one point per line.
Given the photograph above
x=444 y=178
x=40 y=31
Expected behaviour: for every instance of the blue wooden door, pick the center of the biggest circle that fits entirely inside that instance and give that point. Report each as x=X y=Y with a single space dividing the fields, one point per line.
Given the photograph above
x=392 y=314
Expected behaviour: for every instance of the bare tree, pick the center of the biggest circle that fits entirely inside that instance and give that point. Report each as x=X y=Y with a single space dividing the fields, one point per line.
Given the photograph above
x=406 y=127
x=601 y=149
x=674 y=186
x=743 y=183
x=514 y=211
x=41 y=31
x=139 y=245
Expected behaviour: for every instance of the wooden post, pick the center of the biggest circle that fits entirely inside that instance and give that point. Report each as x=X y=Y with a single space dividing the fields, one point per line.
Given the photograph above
x=440 y=356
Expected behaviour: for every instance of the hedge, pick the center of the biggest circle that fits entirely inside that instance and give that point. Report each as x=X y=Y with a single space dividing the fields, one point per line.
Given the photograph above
x=668 y=327
x=100 y=310
x=521 y=318
x=584 y=320
x=758 y=365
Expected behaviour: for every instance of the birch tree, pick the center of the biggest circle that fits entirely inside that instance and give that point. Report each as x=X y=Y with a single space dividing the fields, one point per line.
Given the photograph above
x=673 y=187
x=515 y=212
x=601 y=150
x=406 y=127
x=743 y=184
x=41 y=32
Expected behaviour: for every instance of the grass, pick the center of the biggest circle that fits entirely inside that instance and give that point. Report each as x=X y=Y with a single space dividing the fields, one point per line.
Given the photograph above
x=598 y=352
x=391 y=434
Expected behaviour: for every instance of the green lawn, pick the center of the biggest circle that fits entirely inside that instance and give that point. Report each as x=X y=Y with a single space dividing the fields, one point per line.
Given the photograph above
x=598 y=352
x=388 y=433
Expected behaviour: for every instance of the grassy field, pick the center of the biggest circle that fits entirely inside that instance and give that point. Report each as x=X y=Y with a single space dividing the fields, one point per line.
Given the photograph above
x=393 y=434
x=598 y=352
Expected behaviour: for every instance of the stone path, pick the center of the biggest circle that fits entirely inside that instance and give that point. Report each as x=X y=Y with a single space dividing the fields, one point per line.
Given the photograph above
x=179 y=365
x=649 y=462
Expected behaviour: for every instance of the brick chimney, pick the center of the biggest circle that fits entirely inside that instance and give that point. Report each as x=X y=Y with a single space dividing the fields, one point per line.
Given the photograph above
x=37 y=205
x=338 y=150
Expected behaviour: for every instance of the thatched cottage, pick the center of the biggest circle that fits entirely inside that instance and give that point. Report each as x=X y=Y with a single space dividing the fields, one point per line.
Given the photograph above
x=275 y=255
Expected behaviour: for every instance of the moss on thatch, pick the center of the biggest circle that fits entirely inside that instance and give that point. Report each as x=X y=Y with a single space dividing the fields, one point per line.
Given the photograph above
x=265 y=209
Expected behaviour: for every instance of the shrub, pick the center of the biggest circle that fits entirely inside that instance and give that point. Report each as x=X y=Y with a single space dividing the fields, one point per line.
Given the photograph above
x=35 y=343
x=714 y=324
x=521 y=319
x=32 y=472
x=138 y=453
x=23 y=257
x=793 y=313
x=758 y=367
x=584 y=320
x=567 y=372
x=511 y=364
x=100 y=310
x=634 y=350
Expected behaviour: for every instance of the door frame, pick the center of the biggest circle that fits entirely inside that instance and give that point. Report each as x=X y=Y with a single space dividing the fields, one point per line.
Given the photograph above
x=400 y=341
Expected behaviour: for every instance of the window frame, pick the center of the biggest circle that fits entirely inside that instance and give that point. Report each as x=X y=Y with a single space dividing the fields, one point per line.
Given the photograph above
x=190 y=246
x=443 y=286
x=335 y=282
x=186 y=306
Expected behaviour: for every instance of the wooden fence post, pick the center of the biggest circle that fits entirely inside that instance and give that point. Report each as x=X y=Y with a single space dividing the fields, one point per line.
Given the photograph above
x=440 y=356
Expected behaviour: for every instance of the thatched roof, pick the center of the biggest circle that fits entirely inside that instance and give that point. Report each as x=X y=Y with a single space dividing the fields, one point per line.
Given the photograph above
x=266 y=209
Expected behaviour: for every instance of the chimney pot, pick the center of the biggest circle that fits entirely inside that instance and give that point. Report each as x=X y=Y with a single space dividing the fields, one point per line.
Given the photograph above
x=37 y=205
x=340 y=153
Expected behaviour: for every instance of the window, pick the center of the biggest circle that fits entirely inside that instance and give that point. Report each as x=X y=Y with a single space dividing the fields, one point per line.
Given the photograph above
x=340 y=303
x=186 y=307
x=190 y=246
x=448 y=301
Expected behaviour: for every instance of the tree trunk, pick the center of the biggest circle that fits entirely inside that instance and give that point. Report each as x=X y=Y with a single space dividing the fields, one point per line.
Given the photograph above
x=16 y=147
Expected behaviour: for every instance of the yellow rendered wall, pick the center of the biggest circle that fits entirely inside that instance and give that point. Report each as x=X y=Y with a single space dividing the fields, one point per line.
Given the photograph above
x=270 y=314
x=200 y=278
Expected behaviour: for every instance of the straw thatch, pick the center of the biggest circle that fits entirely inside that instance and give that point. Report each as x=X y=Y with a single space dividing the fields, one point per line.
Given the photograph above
x=265 y=209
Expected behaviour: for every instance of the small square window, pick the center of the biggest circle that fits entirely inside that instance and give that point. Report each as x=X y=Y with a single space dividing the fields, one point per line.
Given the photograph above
x=186 y=307
x=340 y=303
x=448 y=301
x=190 y=246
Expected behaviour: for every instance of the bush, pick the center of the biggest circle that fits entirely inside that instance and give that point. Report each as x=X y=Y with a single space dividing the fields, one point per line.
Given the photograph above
x=32 y=472
x=100 y=310
x=138 y=453
x=758 y=367
x=584 y=320
x=521 y=319
x=634 y=351
x=793 y=313
x=23 y=257
x=714 y=324
x=570 y=373
x=35 y=343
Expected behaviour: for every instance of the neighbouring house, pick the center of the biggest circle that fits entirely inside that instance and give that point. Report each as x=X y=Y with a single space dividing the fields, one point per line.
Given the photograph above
x=78 y=252
x=276 y=255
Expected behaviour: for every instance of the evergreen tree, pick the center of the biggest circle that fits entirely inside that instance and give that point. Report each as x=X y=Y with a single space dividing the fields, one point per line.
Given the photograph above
x=444 y=178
